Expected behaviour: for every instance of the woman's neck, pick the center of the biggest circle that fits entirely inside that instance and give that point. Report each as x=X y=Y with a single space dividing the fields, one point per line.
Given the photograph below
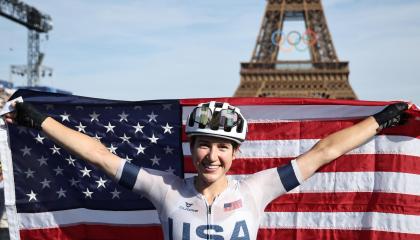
x=210 y=190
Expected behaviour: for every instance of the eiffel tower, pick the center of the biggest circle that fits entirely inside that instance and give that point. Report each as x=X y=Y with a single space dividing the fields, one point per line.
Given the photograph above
x=323 y=76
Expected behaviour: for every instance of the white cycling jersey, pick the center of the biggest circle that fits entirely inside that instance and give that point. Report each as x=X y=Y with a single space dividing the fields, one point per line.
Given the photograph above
x=185 y=213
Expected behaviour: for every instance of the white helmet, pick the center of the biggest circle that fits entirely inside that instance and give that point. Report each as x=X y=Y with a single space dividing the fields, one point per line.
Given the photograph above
x=217 y=119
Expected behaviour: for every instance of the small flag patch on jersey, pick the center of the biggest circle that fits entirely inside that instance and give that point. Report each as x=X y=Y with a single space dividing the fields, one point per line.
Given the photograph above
x=233 y=205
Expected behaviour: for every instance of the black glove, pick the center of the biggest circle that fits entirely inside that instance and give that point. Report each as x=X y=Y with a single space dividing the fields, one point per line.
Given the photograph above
x=28 y=116
x=391 y=115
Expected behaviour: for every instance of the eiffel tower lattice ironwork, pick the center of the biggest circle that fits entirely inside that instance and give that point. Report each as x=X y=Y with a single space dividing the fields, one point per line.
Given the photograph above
x=323 y=76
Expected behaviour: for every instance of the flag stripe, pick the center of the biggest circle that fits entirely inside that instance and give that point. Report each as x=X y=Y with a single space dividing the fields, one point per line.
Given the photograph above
x=345 y=163
x=349 y=202
x=336 y=234
x=292 y=148
x=283 y=101
x=94 y=232
x=343 y=220
x=82 y=215
x=391 y=182
x=275 y=113
x=314 y=130
x=338 y=220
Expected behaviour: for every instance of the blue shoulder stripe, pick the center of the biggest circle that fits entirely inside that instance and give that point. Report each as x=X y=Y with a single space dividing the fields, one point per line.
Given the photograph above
x=129 y=175
x=288 y=177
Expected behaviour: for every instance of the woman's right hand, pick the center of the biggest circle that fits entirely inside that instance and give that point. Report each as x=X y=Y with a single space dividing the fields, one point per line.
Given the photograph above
x=26 y=115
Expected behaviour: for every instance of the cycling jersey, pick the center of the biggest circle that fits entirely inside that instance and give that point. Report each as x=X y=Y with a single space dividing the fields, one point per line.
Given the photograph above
x=185 y=214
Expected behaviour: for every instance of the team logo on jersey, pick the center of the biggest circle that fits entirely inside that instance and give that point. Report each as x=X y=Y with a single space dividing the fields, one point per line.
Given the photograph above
x=232 y=205
x=188 y=208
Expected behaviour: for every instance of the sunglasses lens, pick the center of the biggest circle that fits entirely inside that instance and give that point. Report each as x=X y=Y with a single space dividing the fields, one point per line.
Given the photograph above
x=202 y=115
x=228 y=118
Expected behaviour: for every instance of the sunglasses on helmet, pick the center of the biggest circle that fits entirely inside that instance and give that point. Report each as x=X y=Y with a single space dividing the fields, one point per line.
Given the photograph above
x=224 y=119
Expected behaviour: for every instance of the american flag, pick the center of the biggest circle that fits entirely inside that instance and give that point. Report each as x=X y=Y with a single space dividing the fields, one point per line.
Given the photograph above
x=372 y=192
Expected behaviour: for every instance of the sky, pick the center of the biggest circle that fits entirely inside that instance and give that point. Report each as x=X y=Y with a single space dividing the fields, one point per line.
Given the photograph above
x=155 y=49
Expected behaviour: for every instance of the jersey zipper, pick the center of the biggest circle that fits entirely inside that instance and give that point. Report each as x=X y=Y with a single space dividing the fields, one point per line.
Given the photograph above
x=208 y=220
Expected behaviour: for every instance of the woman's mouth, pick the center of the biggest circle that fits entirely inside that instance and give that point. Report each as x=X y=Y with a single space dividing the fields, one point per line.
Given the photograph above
x=210 y=167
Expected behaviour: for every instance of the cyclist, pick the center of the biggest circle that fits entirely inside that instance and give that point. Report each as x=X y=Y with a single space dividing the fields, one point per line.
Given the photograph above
x=210 y=205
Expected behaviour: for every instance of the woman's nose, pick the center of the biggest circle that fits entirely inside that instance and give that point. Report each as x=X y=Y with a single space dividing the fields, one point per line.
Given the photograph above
x=213 y=154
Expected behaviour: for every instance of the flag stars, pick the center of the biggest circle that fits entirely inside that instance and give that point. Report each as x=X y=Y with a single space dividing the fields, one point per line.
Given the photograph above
x=128 y=159
x=94 y=117
x=26 y=151
x=167 y=128
x=61 y=193
x=42 y=161
x=166 y=106
x=138 y=128
x=155 y=160
x=85 y=172
x=29 y=173
x=39 y=139
x=140 y=149
x=58 y=171
x=88 y=194
x=45 y=183
x=112 y=149
x=101 y=183
x=152 y=117
x=32 y=196
x=55 y=150
x=170 y=170
x=123 y=117
x=73 y=182
x=80 y=127
x=70 y=160
x=97 y=137
x=22 y=129
x=65 y=117
x=153 y=139
x=109 y=128
x=125 y=139
x=115 y=193
x=168 y=150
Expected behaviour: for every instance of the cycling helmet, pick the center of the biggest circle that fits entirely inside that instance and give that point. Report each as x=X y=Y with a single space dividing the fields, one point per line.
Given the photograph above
x=219 y=119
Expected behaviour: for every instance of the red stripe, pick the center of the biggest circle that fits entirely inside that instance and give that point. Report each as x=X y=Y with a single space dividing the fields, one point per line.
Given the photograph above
x=94 y=232
x=332 y=234
x=283 y=101
x=314 y=130
x=346 y=163
x=347 y=202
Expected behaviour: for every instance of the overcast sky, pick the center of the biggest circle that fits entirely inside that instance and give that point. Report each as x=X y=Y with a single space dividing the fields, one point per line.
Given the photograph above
x=138 y=50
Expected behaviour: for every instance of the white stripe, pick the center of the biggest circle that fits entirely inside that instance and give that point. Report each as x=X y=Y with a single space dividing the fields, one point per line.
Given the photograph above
x=377 y=221
x=269 y=113
x=82 y=215
x=391 y=182
x=381 y=144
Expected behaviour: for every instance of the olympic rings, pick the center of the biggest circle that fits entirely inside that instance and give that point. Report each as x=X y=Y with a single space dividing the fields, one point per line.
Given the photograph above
x=294 y=39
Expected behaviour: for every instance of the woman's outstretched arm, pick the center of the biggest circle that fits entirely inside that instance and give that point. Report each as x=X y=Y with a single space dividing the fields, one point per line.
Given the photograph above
x=343 y=141
x=73 y=141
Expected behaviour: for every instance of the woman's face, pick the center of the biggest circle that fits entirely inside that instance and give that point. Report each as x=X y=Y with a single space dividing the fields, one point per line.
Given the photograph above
x=212 y=157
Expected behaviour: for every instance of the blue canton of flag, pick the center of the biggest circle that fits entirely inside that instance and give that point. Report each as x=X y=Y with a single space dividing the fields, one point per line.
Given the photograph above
x=48 y=178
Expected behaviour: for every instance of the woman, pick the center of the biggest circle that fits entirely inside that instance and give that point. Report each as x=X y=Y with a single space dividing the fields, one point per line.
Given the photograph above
x=210 y=205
